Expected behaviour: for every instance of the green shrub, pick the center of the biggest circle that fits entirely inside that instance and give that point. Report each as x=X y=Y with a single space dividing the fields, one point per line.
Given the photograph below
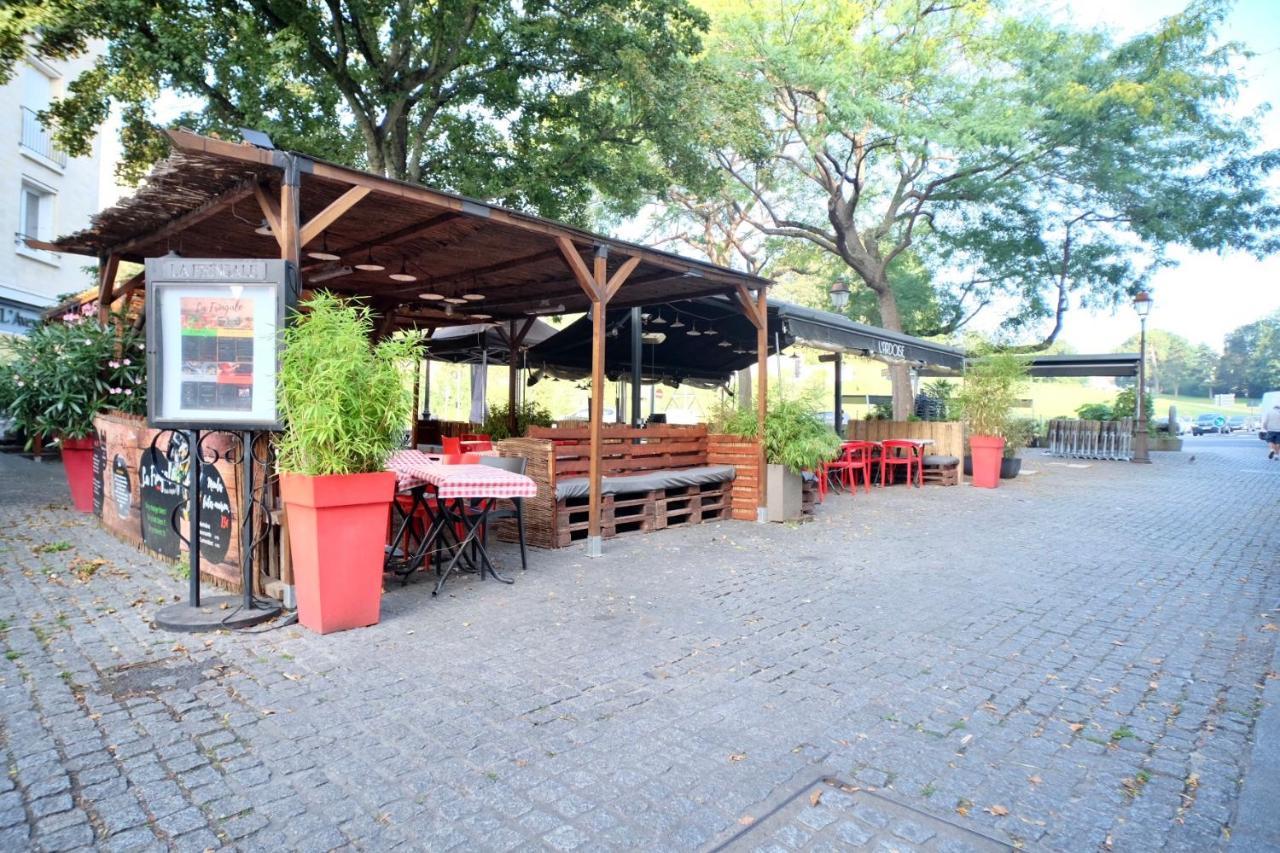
x=66 y=372
x=497 y=424
x=794 y=435
x=344 y=400
x=1096 y=412
x=991 y=388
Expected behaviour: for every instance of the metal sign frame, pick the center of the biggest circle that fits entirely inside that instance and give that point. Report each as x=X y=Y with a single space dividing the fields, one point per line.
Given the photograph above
x=270 y=282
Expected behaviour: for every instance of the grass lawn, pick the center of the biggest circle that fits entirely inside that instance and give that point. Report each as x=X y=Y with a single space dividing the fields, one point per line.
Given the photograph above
x=1051 y=398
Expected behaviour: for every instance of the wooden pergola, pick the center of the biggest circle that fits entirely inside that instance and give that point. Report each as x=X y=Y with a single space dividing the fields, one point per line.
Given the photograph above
x=421 y=257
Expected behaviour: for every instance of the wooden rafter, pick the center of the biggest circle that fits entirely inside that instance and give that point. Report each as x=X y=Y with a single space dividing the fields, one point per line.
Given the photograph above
x=619 y=277
x=332 y=213
x=402 y=234
x=270 y=211
x=106 y=281
x=579 y=268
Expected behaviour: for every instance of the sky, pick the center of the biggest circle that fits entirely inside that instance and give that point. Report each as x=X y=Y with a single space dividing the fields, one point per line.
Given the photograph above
x=1206 y=295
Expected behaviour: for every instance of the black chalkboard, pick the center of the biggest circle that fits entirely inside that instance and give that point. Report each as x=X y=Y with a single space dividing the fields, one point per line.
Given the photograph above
x=160 y=497
x=99 y=474
x=216 y=517
x=121 y=486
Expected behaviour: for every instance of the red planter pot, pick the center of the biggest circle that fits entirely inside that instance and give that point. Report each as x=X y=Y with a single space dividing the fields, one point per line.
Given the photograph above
x=987 y=452
x=77 y=461
x=337 y=533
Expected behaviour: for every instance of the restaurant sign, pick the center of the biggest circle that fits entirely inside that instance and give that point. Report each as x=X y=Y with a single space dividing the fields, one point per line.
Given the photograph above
x=213 y=341
x=890 y=349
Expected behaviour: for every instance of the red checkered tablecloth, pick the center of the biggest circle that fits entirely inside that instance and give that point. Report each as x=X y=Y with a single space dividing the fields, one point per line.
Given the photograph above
x=414 y=468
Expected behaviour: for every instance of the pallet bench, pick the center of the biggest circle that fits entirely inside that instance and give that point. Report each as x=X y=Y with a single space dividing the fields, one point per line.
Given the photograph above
x=653 y=478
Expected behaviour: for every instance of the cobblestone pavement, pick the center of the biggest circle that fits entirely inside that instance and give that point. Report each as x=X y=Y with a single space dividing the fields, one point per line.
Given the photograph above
x=1072 y=662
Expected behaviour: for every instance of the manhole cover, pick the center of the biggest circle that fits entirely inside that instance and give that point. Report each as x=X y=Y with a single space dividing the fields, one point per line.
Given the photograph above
x=828 y=814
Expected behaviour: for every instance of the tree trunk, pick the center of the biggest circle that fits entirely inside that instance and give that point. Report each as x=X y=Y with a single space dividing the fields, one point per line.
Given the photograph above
x=899 y=371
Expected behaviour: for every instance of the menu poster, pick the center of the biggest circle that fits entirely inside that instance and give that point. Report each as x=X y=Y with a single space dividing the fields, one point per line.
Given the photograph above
x=217 y=353
x=160 y=482
x=121 y=486
x=215 y=515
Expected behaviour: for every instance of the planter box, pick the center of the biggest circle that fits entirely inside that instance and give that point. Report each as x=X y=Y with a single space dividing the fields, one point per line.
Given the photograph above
x=784 y=494
x=1009 y=468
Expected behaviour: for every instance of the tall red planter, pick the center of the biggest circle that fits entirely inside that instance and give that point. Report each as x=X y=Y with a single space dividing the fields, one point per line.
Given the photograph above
x=77 y=462
x=337 y=534
x=987 y=451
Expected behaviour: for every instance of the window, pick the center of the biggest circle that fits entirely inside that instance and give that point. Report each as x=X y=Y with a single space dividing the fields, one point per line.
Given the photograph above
x=35 y=212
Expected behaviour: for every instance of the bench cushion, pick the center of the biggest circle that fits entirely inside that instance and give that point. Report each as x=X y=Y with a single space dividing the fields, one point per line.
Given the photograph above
x=942 y=461
x=662 y=478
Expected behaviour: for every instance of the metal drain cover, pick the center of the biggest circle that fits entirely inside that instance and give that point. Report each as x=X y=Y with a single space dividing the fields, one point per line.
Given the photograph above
x=830 y=814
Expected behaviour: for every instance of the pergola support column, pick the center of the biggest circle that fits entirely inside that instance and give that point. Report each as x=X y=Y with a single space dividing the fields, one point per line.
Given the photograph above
x=762 y=401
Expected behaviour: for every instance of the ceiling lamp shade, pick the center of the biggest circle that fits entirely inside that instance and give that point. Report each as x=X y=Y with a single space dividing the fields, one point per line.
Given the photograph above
x=678 y=324
x=473 y=297
x=455 y=300
x=404 y=274
x=659 y=320
x=710 y=332
x=433 y=297
x=369 y=264
x=482 y=316
x=264 y=229
x=724 y=343
x=693 y=331
x=323 y=253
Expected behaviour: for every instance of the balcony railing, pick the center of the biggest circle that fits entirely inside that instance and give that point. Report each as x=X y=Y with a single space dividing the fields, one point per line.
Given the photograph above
x=38 y=140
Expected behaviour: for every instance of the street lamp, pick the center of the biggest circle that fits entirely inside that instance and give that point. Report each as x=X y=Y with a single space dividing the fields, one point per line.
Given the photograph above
x=1142 y=306
x=840 y=294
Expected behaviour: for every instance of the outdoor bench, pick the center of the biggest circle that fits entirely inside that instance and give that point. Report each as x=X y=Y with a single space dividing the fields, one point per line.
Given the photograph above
x=651 y=478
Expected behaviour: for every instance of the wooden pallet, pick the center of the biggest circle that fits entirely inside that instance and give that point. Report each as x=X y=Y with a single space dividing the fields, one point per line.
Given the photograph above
x=942 y=475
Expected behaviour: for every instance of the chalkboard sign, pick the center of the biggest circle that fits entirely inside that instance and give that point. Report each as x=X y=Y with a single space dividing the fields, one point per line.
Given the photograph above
x=160 y=497
x=215 y=515
x=121 y=486
x=99 y=474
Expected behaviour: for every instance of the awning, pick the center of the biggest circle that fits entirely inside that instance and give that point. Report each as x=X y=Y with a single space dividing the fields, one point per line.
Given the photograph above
x=1055 y=366
x=837 y=333
x=469 y=344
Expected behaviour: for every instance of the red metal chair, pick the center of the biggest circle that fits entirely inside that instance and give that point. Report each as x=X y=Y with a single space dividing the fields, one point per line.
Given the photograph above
x=896 y=453
x=452 y=445
x=857 y=457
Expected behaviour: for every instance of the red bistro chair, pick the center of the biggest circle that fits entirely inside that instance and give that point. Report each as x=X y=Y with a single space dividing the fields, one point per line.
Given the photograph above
x=452 y=445
x=475 y=436
x=896 y=453
x=856 y=456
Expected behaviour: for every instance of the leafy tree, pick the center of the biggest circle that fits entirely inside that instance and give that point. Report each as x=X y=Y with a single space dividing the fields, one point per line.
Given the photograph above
x=1025 y=161
x=540 y=104
x=1174 y=364
x=1250 y=362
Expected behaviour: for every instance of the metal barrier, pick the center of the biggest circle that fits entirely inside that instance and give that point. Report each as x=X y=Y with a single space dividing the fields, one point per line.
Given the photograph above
x=1105 y=440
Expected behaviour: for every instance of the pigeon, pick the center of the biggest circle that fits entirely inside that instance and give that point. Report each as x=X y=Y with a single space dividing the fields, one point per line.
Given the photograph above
x=1192 y=459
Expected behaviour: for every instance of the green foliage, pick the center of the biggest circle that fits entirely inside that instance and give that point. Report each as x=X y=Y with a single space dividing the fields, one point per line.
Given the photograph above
x=794 y=435
x=344 y=400
x=528 y=413
x=1251 y=358
x=1126 y=403
x=64 y=373
x=1096 y=412
x=992 y=386
x=1174 y=364
x=537 y=104
x=1018 y=434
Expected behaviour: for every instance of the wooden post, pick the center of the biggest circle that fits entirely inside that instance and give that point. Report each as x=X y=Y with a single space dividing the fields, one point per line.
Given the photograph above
x=107 y=267
x=513 y=374
x=289 y=237
x=762 y=395
x=600 y=288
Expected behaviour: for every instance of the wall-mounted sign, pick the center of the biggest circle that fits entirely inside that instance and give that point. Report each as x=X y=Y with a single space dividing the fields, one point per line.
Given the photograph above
x=213 y=341
x=99 y=472
x=160 y=478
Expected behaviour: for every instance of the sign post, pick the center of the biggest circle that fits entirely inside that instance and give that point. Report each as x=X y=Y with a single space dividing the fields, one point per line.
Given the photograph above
x=213 y=349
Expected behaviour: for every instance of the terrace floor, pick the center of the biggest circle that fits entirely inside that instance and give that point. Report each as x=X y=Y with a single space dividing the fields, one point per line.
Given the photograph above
x=1075 y=661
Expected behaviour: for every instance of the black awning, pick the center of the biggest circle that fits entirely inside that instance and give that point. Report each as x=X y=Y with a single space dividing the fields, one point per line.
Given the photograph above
x=671 y=353
x=837 y=333
x=481 y=342
x=1055 y=366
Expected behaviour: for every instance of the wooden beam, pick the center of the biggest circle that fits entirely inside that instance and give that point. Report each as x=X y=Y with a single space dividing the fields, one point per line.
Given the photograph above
x=445 y=281
x=187 y=220
x=579 y=269
x=270 y=210
x=290 y=216
x=332 y=213
x=132 y=284
x=400 y=235
x=619 y=277
x=106 y=281
x=524 y=330
x=748 y=306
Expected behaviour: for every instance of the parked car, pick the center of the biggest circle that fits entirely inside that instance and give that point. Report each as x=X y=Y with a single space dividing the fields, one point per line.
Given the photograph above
x=1237 y=423
x=1185 y=425
x=1210 y=422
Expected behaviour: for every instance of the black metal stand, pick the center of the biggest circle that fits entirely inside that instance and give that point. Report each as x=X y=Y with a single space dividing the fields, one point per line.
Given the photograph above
x=222 y=611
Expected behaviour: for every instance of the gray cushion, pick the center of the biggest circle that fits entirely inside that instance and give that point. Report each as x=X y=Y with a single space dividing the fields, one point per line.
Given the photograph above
x=662 y=478
x=941 y=461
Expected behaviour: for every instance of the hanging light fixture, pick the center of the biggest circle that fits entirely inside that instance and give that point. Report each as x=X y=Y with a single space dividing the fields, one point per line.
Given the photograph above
x=659 y=320
x=724 y=343
x=710 y=332
x=369 y=264
x=323 y=254
x=473 y=297
x=264 y=229
x=481 y=316
x=693 y=331
x=678 y=324
x=455 y=300
x=431 y=297
x=404 y=274
x=839 y=294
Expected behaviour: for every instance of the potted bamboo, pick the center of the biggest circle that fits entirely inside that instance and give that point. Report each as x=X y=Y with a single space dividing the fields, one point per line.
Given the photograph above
x=795 y=440
x=345 y=405
x=990 y=391
x=65 y=373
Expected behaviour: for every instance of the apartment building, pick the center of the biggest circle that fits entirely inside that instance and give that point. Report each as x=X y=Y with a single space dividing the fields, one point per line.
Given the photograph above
x=43 y=194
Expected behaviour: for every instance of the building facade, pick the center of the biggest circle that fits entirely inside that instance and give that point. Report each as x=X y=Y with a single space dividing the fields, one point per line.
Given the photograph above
x=43 y=194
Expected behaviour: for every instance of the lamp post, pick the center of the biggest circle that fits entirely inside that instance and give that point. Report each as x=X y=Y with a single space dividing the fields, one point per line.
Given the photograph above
x=839 y=300
x=839 y=294
x=1142 y=305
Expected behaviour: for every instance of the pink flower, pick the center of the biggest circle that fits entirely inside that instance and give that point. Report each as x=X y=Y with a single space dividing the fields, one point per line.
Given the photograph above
x=115 y=390
x=21 y=384
x=128 y=392
x=113 y=363
x=126 y=362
